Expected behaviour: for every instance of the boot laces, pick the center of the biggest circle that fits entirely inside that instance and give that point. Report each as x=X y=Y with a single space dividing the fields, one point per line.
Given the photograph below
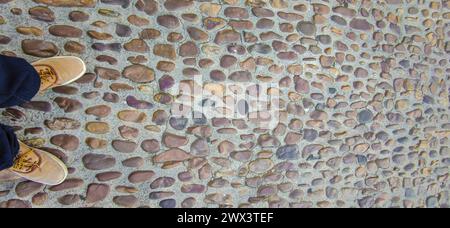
x=26 y=163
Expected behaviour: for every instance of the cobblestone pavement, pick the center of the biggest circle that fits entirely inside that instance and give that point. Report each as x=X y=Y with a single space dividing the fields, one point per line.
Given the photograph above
x=358 y=112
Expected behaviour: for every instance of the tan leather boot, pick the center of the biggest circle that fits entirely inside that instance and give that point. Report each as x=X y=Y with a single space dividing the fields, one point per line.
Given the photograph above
x=6 y=175
x=59 y=71
x=39 y=166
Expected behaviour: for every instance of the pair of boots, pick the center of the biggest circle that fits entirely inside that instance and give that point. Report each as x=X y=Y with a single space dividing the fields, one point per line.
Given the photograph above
x=35 y=164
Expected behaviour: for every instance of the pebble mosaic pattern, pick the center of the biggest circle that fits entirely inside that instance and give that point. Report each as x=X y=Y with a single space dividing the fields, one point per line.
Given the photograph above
x=364 y=118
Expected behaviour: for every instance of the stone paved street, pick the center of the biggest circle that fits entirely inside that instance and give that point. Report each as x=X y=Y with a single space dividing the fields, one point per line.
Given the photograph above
x=357 y=97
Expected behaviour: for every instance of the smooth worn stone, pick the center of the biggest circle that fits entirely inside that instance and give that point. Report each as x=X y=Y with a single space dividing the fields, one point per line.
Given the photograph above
x=138 y=21
x=123 y=30
x=226 y=147
x=168 y=203
x=361 y=24
x=39 y=199
x=193 y=188
x=124 y=146
x=140 y=59
x=307 y=28
x=310 y=135
x=65 y=31
x=175 y=37
x=166 y=82
x=361 y=73
x=227 y=36
x=66 y=142
x=27 y=188
x=107 y=59
x=33 y=131
x=165 y=51
x=96 y=144
x=126 y=189
x=164 y=98
x=236 y=12
x=151 y=146
x=267 y=141
x=138 y=104
x=67 y=104
x=161 y=195
x=140 y=176
x=261 y=165
x=128 y=132
x=240 y=76
x=168 y=21
x=137 y=45
x=178 y=123
x=71 y=183
x=132 y=116
x=98 y=161
x=173 y=5
x=191 y=72
x=15 y=203
x=188 y=49
x=162 y=182
x=149 y=34
x=260 y=48
x=139 y=73
x=327 y=61
x=97 y=127
x=197 y=34
x=108 y=176
x=97 y=193
x=241 y=156
x=78 y=16
x=301 y=85
x=86 y=78
x=69 y=199
x=99 y=111
x=124 y=3
x=116 y=47
x=214 y=23
x=25 y=31
x=68 y=90
x=217 y=75
x=174 y=141
x=99 y=35
x=62 y=123
x=111 y=97
x=165 y=66
x=172 y=155
x=68 y=3
x=42 y=13
x=108 y=13
x=227 y=61
x=150 y=7
x=39 y=48
x=14 y=114
x=290 y=152
x=200 y=147
x=210 y=9
x=4 y=40
x=126 y=201
x=135 y=162
x=365 y=116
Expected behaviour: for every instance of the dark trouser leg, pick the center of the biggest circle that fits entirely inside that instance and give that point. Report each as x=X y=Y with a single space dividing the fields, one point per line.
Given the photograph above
x=19 y=83
x=9 y=147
